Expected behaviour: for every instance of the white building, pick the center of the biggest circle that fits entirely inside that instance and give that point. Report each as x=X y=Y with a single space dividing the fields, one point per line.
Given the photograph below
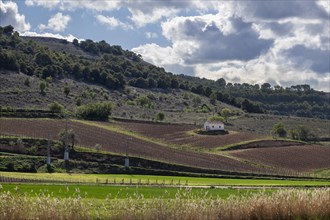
x=214 y=126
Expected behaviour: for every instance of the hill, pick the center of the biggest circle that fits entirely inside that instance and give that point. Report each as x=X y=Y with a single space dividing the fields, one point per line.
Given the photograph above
x=111 y=70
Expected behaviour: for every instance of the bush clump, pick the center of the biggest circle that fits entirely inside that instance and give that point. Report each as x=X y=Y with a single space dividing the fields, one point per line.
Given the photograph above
x=95 y=111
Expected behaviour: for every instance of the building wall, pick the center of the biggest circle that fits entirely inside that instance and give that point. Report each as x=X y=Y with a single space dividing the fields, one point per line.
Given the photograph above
x=214 y=126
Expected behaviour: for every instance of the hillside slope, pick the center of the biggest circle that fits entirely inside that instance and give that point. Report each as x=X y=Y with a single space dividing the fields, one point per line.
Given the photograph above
x=114 y=69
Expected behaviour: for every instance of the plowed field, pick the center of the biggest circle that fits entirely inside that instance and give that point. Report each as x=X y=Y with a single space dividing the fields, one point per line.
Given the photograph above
x=299 y=158
x=183 y=135
x=117 y=143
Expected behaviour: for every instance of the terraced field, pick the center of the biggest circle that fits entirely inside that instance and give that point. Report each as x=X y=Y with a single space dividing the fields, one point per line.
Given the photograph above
x=118 y=143
x=184 y=135
x=299 y=158
x=178 y=144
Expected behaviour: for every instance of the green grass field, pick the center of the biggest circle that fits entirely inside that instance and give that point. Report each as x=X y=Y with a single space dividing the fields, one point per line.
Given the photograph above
x=167 y=180
x=119 y=192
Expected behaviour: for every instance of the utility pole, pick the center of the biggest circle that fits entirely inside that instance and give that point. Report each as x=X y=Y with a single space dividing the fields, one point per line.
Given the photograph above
x=127 y=158
x=66 y=149
x=48 y=151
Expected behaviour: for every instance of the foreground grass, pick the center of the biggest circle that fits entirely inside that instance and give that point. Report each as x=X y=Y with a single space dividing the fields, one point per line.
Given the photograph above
x=282 y=204
x=167 y=180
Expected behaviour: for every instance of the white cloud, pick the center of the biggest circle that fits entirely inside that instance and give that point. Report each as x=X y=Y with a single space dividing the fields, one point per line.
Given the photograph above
x=9 y=15
x=250 y=43
x=56 y=23
x=112 y=22
x=158 y=55
x=142 y=12
x=70 y=5
x=151 y=35
x=47 y=4
x=68 y=37
x=140 y=18
x=325 y=5
x=208 y=38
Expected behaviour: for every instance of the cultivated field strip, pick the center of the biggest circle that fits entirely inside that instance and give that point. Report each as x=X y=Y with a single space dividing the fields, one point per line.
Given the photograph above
x=298 y=158
x=118 y=143
x=183 y=135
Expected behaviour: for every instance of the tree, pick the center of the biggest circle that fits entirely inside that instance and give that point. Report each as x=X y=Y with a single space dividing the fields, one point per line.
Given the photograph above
x=43 y=59
x=8 y=30
x=294 y=134
x=66 y=90
x=196 y=100
x=266 y=87
x=221 y=82
x=225 y=112
x=42 y=87
x=279 y=130
x=303 y=133
x=27 y=82
x=75 y=42
x=144 y=101
x=160 y=116
x=98 y=147
x=70 y=138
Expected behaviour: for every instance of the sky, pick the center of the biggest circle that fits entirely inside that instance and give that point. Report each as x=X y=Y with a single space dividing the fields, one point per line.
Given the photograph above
x=281 y=42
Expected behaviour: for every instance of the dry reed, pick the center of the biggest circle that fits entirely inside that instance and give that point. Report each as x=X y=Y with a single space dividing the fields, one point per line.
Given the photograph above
x=282 y=204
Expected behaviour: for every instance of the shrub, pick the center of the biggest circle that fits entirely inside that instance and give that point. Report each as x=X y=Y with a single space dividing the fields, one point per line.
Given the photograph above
x=42 y=87
x=27 y=82
x=226 y=112
x=160 y=116
x=279 y=130
x=216 y=118
x=302 y=133
x=56 y=107
x=144 y=101
x=66 y=90
x=95 y=111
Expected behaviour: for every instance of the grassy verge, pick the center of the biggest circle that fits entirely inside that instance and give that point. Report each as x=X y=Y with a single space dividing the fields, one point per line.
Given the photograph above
x=237 y=145
x=282 y=204
x=323 y=173
x=158 y=180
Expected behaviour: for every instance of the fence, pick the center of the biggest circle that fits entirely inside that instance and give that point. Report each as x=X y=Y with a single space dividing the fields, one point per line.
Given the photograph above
x=107 y=181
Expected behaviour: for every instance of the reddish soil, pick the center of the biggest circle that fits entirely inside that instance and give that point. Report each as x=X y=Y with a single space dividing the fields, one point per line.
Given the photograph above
x=117 y=143
x=156 y=130
x=299 y=158
x=177 y=134
x=265 y=143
